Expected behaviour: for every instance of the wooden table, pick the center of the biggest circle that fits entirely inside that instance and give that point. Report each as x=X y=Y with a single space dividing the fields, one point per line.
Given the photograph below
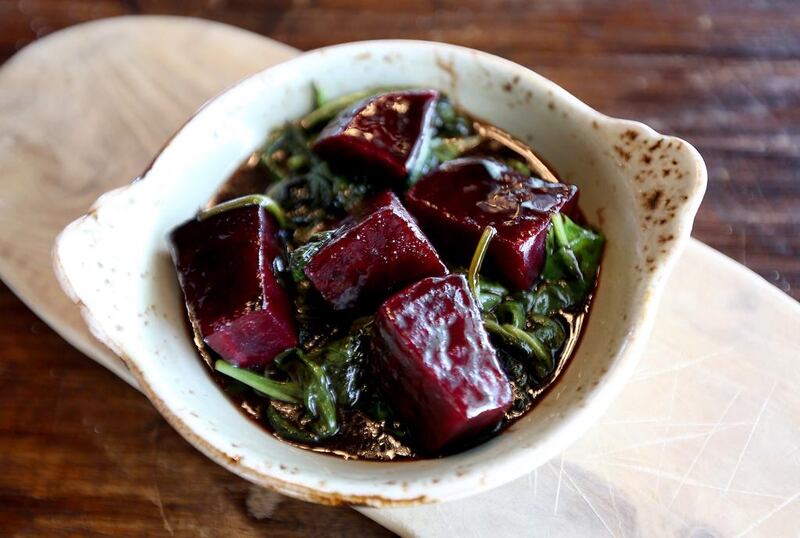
x=84 y=454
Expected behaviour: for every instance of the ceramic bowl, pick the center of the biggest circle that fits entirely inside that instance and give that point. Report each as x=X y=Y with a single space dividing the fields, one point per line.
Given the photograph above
x=640 y=187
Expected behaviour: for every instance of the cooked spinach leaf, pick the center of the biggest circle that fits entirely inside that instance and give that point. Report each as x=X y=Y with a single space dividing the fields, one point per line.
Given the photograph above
x=284 y=391
x=299 y=257
x=304 y=185
x=319 y=400
x=528 y=323
x=345 y=361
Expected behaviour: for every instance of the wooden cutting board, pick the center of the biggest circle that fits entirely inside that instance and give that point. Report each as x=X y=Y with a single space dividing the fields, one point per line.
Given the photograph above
x=84 y=111
x=705 y=439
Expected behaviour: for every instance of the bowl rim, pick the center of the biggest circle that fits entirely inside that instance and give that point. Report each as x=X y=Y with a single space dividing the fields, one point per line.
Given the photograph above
x=566 y=431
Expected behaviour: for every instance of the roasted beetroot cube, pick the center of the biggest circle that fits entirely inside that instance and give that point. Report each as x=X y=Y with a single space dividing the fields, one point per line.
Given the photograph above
x=366 y=261
x=235 y=303
x=458 y=200
x=374 y=203
x=381 y=137
x=436 y=365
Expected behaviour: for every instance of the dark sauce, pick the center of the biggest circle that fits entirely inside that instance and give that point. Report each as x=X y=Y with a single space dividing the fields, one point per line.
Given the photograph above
x=361 y=437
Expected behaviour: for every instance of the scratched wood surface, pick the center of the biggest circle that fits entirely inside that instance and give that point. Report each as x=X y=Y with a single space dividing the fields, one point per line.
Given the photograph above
x=724 y=74
x=85 y=455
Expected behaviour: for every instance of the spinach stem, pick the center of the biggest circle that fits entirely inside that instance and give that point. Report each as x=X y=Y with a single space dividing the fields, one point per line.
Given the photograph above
x=319 y=395
x=252 y=199
x=332 y=107
x=558 y=228
x=514 y=310
x=285 y=392
x=564 y=248
x=319 y=95
x=494 y=327
x=531 y=341
x=514 y=334
x=477 y=261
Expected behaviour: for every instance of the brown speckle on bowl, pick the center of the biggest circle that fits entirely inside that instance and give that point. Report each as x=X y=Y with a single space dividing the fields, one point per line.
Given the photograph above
x=601 y=216
x=652 y=198
x=632 y=140
x=623 y=153
x=629 y=135
x=449 y=69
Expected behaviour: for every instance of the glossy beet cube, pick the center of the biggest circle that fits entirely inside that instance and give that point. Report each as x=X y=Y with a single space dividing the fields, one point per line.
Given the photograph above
x=235 y=303
x=382 y=137
x=458 y=200
x=436 y=365
x=381 y=252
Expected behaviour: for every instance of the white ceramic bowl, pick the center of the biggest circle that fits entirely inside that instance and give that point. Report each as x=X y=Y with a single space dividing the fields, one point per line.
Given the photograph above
x=641 y=188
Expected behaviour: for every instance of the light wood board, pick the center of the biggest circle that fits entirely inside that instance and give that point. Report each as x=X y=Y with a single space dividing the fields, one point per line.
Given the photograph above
x=84 y=111
x=704 y=439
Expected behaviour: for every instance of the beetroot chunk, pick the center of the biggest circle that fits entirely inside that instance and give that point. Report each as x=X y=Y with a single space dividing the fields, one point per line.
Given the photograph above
x=235 y=303
x=381 y=252
x=436 y=364
x=459 y=199
x=382 y=137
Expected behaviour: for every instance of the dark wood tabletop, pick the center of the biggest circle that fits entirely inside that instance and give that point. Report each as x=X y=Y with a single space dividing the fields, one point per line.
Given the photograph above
x=84 y=454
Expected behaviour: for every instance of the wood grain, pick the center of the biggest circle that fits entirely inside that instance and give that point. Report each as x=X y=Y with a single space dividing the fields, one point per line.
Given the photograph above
x=695 y=444
x=724 y=74
x=87 y=456
x=68 y=140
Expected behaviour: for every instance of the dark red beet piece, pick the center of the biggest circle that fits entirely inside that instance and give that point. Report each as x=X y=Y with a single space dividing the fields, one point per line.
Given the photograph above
x=366 y=261
x=235 y=302
x=381 y=137
x=436 y=365
x=458 y=200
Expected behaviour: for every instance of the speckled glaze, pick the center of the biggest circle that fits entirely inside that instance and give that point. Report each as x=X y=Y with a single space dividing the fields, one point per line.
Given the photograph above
x=641 y=188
